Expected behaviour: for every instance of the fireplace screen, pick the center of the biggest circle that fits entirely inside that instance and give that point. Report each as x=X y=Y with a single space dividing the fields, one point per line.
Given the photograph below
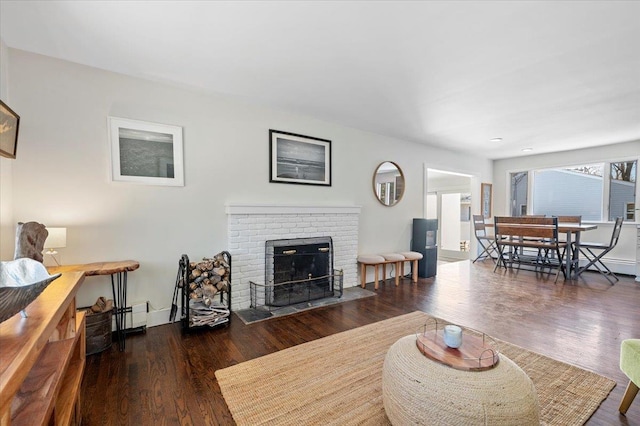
x=298 y=270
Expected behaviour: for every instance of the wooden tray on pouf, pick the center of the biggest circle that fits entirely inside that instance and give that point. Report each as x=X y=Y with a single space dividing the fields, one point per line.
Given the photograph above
x=478 y=351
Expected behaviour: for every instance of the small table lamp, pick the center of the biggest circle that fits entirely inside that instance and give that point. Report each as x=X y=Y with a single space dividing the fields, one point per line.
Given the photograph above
x=56 y=239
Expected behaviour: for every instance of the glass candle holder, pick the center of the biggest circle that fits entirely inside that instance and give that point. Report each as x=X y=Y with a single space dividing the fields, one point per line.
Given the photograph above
x=452 y=336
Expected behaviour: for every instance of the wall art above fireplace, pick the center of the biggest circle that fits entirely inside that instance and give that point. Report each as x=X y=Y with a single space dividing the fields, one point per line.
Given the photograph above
x=299 y=159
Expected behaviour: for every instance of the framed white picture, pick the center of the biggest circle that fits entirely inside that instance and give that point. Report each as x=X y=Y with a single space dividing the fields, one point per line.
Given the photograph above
x=146 y=153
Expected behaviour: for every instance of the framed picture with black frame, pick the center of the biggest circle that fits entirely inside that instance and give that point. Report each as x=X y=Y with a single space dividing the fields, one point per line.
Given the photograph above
x=299 y=159
x=9 y=126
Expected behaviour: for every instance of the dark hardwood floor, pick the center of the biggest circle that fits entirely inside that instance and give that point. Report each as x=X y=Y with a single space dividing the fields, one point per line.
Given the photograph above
x=167 y=378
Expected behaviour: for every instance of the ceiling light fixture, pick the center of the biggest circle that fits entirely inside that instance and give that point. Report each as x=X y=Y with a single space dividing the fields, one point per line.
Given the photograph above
x=527 y=150
x=495 y=140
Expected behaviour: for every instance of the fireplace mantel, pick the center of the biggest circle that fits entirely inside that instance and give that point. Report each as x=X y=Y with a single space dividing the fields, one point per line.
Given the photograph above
x=289 y=209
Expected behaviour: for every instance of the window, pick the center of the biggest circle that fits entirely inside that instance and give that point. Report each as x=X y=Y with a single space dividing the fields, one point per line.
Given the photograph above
x=567 y=191
x=622 y=190
x=598 y=191
x=519 y=188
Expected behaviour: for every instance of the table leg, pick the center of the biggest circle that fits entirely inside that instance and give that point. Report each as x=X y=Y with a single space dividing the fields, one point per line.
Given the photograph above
x=119 y=289
x=568 y=255
x=575 y=258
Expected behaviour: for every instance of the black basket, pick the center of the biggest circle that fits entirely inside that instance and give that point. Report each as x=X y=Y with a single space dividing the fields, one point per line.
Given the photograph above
x=98 y=330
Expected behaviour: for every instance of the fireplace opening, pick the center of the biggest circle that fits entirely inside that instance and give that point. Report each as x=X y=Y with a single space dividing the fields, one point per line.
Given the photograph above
x=298 y=270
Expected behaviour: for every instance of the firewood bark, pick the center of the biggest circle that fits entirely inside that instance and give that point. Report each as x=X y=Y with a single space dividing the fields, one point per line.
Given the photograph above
x=208 y=278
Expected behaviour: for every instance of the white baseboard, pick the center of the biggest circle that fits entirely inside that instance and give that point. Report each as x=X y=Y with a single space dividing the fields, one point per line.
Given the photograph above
x=618 y=266
x=137 y=318
x=161 y=317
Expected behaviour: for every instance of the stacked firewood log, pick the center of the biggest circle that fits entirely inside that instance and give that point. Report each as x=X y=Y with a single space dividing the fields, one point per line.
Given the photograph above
x=208 y=279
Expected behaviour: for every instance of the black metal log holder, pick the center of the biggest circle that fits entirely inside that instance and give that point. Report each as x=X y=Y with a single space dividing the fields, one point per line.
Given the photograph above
x=299 y=291
x=222 y=301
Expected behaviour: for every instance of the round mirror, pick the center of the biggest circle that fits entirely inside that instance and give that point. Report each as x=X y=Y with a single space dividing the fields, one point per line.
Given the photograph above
x=388 y=183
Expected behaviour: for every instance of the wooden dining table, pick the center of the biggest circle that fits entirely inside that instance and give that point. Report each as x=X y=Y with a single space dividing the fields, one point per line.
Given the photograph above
x=572 y=232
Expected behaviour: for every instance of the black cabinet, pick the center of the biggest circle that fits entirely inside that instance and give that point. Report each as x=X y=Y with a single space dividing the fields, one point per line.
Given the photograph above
x=424 y=240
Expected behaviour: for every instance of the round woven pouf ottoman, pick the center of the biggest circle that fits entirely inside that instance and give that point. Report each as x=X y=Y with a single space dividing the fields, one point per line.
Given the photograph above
x=418 y=390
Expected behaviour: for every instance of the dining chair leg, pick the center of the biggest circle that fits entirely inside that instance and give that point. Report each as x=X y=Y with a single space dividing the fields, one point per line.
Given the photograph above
x=500 y=258
x=561 y=267
x=595 y=261
x=486 y=250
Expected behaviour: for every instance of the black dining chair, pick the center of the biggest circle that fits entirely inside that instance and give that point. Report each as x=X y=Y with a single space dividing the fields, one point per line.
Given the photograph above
x=487 y=242
x=594 y=252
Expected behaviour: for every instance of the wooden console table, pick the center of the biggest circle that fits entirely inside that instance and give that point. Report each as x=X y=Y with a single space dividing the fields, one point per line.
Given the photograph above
x=42 y=358
x=118 y=270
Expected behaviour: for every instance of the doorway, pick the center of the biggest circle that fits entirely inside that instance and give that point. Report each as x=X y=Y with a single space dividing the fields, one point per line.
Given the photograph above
x=449 y=200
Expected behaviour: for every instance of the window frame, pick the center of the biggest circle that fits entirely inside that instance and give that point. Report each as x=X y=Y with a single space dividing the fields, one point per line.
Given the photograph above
x=606 y=182
x=607 y=214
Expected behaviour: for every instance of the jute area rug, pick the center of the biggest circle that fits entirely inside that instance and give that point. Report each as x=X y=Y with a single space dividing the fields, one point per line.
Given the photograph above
x=338 y=380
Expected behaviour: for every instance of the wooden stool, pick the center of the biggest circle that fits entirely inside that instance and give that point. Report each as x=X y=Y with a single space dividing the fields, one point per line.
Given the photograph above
x=412 y=256
x=369 y=259
x=396 y=258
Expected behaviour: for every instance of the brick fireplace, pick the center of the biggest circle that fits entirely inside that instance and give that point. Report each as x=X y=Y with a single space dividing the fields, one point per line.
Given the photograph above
x=249 y=226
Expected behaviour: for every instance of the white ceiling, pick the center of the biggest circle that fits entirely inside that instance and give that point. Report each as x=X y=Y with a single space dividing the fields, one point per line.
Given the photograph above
x=544 y=75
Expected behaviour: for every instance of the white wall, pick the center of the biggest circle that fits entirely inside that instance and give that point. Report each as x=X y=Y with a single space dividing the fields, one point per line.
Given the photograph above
x=61 y=176
x=622 y=258
x=450 y=223
x=6 y=206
